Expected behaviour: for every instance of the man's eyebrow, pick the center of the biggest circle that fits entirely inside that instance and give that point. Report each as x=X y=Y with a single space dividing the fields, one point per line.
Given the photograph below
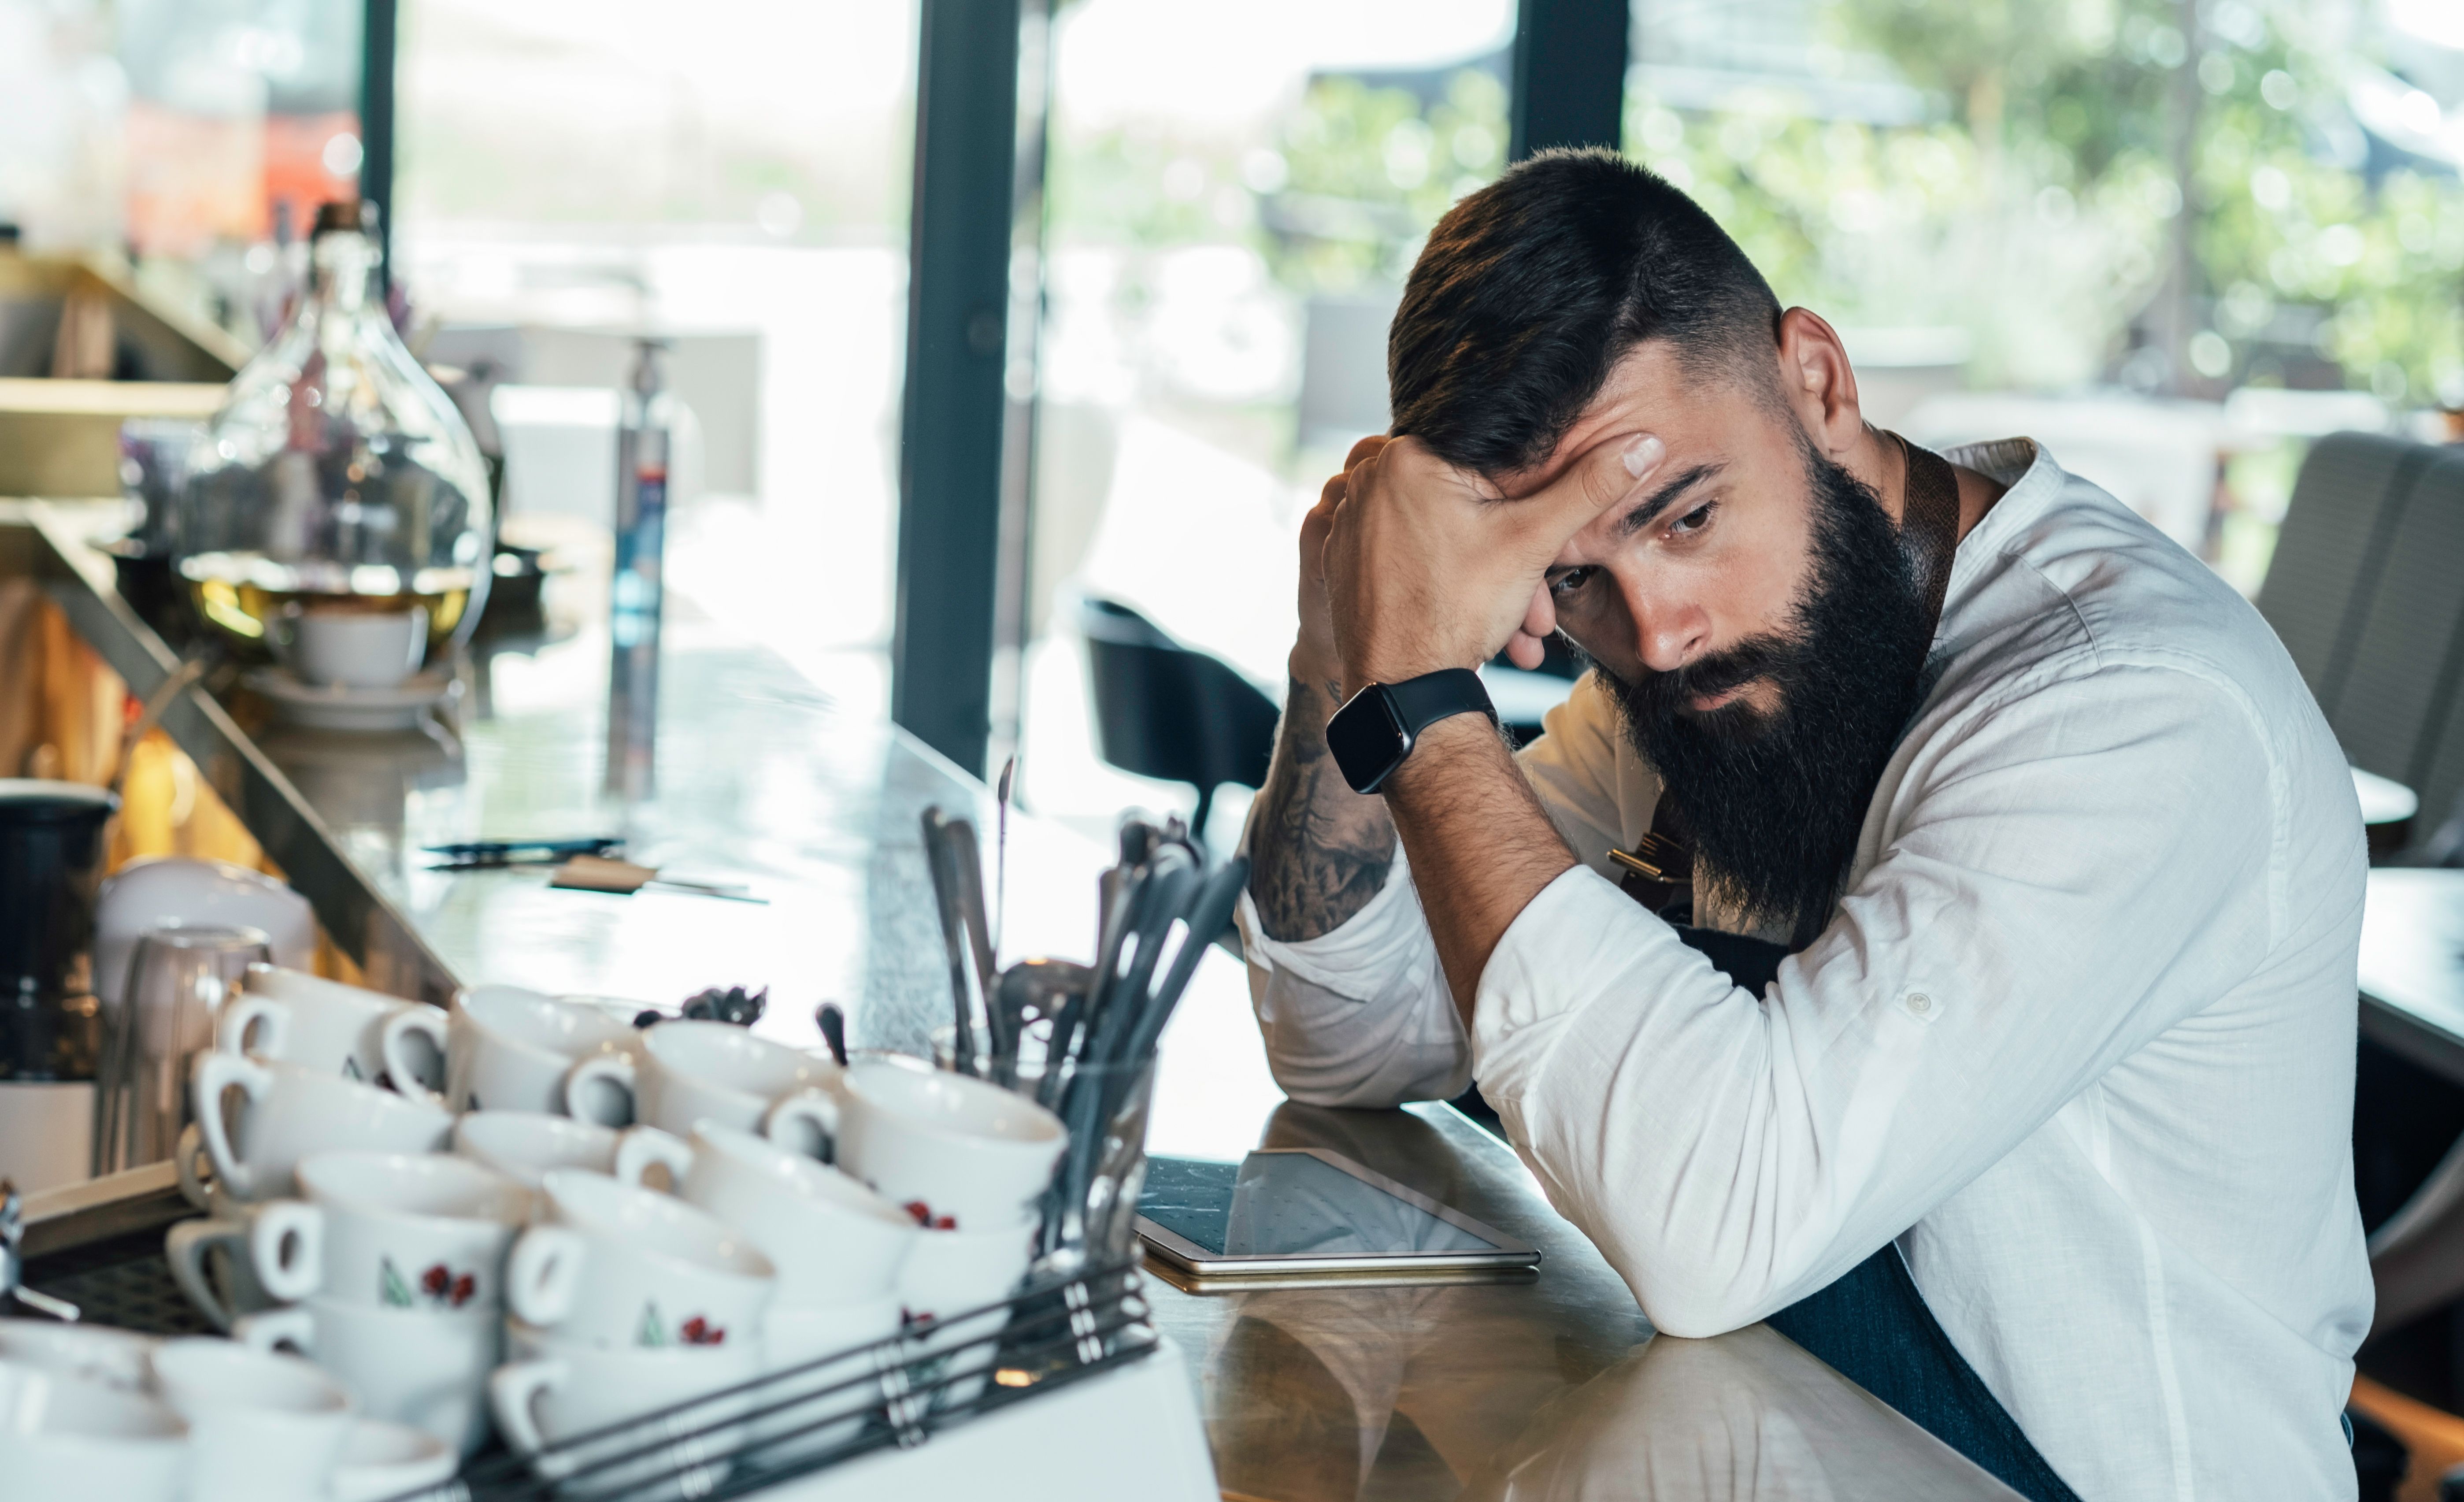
x=1667 y=495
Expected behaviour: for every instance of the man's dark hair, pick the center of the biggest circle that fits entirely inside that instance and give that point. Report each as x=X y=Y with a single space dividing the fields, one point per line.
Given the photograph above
x=1534 y=288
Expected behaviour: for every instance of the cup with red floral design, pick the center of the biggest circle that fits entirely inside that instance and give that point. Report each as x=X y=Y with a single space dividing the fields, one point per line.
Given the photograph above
x=615 y=1264
x=419 y=1231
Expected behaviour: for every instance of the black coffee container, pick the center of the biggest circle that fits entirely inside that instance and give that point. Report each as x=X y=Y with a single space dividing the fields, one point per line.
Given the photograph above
x=51 y=864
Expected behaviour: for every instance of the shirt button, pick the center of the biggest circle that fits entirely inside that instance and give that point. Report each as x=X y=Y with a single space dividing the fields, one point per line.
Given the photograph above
x=1919 y=1003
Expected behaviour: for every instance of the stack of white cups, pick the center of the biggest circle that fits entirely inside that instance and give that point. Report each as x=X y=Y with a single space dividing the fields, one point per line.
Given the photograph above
x=395 y=1262
x=839 y=1250
x=967 y=1159
x=543 y=1241
x=96 y=1412
x=626 y=1302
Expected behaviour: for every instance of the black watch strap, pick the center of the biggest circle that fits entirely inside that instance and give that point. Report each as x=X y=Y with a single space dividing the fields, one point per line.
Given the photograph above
x=1376 y=730
x=1423 y=701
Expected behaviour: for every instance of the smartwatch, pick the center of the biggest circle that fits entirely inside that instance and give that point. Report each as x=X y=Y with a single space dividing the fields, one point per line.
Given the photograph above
x=1375 y=729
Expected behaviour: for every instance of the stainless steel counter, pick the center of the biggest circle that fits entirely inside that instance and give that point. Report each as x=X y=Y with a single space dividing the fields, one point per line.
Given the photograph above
x=1551 y=1387
x=761 y=780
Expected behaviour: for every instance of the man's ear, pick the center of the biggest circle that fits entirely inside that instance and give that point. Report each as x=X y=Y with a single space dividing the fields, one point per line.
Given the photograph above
x=1818 y=382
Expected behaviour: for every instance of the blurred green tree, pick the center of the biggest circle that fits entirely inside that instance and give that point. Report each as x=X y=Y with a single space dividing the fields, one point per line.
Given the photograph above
x=2036 y=208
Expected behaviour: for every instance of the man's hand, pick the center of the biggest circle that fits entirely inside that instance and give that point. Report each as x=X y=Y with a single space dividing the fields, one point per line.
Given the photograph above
x=1314 y=660
x=1424 y=569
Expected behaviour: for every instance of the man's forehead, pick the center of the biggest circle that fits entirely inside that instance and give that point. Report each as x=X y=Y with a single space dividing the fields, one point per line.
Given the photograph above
x=1647 y=391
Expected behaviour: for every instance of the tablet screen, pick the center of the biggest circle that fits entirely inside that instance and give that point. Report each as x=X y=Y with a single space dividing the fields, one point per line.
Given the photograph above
x=1290 y=1204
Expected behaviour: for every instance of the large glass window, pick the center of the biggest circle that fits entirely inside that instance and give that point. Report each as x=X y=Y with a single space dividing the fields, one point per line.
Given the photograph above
x=1233 y=201
x=2174 y=240
x=733 y=176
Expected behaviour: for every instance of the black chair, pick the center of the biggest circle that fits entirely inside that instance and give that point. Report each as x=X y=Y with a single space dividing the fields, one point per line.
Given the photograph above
x=2333 y=545
x=1168 y=711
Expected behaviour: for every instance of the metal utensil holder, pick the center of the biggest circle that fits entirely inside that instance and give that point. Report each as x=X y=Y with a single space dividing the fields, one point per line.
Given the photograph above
x=905 y=1389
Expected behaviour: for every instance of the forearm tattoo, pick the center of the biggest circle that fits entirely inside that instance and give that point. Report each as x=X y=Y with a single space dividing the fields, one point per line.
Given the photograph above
x=1318 y=850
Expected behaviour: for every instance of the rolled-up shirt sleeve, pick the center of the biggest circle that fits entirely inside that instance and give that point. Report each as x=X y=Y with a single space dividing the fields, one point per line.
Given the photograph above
x=2054 y=888
x=1361 y=1016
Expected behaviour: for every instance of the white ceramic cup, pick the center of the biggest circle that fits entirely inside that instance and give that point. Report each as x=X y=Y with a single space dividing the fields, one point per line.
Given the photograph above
x=507 y=1048
x=391 y=1230
x=425 y=1370
x=196 y=1170
x=214 y=1258
x=358 y=648
x=551 y=1393
x=955 y=1152
x=65 y=1439
x=381 y=1460
x=292 y=1111
x=120 y=1358
x=524 y=1145
x=324 y=1025
x=821 y=1374
x=690 y=1072
x=616 y=1264
x=832 y=1240
x=262 y=1427
x=948 y=1273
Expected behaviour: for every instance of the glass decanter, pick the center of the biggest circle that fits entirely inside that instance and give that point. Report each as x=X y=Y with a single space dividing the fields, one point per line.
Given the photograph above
x=338 y=478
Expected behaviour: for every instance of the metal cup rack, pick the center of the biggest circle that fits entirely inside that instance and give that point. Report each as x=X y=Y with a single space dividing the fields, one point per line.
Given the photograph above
x=895 y=1393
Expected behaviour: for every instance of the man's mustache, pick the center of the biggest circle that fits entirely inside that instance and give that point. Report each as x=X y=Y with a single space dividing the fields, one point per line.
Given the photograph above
x=1673 y=691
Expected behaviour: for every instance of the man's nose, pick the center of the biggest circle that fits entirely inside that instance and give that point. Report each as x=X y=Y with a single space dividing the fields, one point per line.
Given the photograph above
x=1668 y=634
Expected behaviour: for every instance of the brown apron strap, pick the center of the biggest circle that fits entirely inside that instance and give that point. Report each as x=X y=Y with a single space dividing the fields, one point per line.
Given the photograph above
x=1929 y=517
x=1659 y=872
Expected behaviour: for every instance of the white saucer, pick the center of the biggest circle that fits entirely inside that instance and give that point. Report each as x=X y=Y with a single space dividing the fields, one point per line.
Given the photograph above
x=334 y=706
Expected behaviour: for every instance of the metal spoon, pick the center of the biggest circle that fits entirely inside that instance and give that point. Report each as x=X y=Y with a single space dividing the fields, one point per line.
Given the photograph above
x=833 y=1025
x=945 y=896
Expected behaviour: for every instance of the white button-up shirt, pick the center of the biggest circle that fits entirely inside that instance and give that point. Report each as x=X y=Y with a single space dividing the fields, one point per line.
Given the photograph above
x=2079 y=1037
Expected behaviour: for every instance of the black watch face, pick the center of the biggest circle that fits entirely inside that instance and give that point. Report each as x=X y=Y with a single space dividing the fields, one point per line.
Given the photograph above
x=1367 y=740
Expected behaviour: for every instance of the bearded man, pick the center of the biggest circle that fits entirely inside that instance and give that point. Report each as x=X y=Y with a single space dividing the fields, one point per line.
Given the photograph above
x=2039 y=868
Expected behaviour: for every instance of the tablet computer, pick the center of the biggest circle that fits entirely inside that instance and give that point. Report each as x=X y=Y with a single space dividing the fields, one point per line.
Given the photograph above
x=1304 y=1210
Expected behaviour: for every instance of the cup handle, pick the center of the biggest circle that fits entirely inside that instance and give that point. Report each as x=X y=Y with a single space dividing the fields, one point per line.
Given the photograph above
x=394 y=1045
x=243 y=1012
x=513 y=1389
x=609 y=1073
x=277 y=1328
x=216 y=1072
x=642 y=1146
x=805 y=1122
x=185 y=1249
x=543 y=1273
x=183 y=1158
x=286 y=1245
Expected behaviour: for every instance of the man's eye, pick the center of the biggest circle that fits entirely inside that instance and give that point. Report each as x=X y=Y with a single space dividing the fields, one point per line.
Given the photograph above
x=1572 y=580
x=1694 y=520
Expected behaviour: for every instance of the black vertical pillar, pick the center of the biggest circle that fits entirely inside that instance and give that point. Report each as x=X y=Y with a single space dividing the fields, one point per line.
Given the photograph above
x=376 y=124
x=957 y=315
x=1570 y=62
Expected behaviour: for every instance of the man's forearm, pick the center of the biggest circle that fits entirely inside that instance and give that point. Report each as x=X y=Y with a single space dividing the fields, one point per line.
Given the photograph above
x=1318 y=851
x=1481 y=847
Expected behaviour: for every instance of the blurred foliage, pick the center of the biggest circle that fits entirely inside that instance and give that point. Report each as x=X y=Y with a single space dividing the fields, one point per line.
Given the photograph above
x=1340 y=195
x=2030 y=198
x=1366 y=171
x=2036 y=208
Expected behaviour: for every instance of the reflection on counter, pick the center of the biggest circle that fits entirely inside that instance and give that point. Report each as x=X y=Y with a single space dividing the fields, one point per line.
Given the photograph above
x=1746 y=1415
x=1553 y=1389
x=1344 y=1391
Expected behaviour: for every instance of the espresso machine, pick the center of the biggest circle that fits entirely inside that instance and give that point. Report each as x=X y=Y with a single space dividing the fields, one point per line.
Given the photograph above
x=50 y=1024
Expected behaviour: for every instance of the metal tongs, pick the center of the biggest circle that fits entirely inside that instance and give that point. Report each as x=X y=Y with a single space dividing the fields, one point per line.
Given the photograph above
x=12 y=1261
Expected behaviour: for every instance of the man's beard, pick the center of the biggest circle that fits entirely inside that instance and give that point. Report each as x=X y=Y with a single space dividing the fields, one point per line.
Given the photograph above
x=1774 y=802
